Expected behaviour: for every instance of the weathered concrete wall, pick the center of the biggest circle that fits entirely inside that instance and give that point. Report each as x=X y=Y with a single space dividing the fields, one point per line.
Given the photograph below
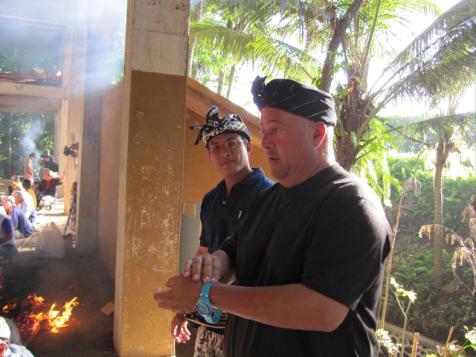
x=149 y=254
x=199 y=177
x=150 y=174
x=108 y=175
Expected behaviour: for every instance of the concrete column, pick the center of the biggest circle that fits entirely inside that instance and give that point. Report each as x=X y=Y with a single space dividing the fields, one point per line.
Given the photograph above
x=101 y=71
x=72 y=103
x=151 y=170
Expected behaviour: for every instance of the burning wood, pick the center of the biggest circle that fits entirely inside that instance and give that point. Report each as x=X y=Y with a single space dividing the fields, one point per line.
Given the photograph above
x=6 y=309
x=58 y=318
x=33 y=313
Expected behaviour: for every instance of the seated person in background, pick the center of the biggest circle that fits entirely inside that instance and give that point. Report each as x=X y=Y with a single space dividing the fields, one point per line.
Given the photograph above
x=21 y=225
x=47 y=186
x=25 y=202
x=7 y=237
x=47 y=161
x=15 y=185
x=29 y=190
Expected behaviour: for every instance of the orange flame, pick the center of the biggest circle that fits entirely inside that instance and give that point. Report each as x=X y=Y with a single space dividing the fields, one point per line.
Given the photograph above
x=9 y=307
x=57 y=318
x=35 y=300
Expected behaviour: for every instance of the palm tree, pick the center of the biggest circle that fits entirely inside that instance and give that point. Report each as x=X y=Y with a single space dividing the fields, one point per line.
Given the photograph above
x=251 y=33
x=438 y=133
x=353 y=33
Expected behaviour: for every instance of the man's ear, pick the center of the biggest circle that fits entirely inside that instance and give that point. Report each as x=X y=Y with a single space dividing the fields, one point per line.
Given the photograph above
x=249 y=147
x=320 y=132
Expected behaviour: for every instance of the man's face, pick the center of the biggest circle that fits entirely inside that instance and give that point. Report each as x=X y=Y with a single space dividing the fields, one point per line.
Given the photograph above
x=229 y=154
x=289 y=143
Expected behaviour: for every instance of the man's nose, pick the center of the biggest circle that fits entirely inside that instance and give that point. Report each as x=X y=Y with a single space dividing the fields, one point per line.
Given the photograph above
x=265 y=142
x=225 y=153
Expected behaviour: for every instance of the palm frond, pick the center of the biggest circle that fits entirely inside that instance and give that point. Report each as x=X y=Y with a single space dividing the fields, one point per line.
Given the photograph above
x=445 y=66
x=456 y=15
x=244 y=47
x=418 y=132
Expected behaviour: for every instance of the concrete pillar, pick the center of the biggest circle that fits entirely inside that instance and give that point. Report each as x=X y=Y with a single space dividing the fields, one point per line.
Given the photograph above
x=151 y=170
x=72 y=103
x=101 y=71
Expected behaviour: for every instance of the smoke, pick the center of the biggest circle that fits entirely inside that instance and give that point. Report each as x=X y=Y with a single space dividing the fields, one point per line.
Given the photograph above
x=28 y=142
x=35 y=41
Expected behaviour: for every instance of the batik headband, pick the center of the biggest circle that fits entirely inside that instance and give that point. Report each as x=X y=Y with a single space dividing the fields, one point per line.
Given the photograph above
x=214 y=125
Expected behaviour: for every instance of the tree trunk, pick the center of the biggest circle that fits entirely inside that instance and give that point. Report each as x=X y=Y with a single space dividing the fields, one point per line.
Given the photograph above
x=339 y=32
x=197 y=17
x=230 y=80
x=388 y=264
x=442 y=151
x=221 y=80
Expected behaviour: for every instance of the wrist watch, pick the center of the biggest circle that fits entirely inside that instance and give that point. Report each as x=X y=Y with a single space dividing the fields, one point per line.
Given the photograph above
x=204 y=306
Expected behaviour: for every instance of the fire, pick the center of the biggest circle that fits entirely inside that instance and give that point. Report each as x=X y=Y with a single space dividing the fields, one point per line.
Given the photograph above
x=35 y=300
x=30 y=323
x=9 y=307
x=58 y=318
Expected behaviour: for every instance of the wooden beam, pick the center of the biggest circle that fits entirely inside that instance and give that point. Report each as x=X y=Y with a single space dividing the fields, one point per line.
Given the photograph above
x=200 y=99
x=30 y=90
x=37 y=22
x=55 y=13
x=22 y=104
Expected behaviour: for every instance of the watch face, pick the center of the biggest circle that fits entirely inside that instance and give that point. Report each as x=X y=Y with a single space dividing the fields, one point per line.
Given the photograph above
x=203 y=308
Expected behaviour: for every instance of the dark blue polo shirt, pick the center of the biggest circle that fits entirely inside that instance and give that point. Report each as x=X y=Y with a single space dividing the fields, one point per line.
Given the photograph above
x=220 y=214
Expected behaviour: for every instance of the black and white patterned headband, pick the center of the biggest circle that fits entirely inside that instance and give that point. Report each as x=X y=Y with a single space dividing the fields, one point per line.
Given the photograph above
x=214 y=125
x=295 y=98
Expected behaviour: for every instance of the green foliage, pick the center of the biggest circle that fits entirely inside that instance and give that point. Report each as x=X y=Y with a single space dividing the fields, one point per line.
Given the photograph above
x=435 y=310
x=384 y=339
x=372 y=160
x=470 y=337
x=419 y=208
x=23 y=60
x=20 y=135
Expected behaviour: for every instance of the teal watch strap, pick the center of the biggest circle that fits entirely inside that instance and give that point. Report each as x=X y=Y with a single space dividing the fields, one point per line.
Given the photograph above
x=204 y=306
x=205 y=291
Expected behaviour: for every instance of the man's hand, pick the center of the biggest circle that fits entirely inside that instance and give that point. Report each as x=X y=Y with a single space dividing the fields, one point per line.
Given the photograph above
x=203 y=268
x=180 y=294
x=180 y=329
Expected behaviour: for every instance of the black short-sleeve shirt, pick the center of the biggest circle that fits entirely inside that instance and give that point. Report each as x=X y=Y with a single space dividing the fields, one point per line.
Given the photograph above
x=220 y=213
x=328 y=233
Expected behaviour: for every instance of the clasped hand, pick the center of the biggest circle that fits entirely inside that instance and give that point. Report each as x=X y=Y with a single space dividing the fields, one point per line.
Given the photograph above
x=181 y=292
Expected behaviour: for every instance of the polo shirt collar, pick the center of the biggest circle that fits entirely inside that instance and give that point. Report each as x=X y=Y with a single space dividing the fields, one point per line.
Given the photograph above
x=249 y=180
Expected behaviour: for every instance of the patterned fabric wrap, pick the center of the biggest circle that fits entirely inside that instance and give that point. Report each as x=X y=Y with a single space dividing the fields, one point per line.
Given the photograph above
x=208 y=343
x=294 y=98
x=214 y=125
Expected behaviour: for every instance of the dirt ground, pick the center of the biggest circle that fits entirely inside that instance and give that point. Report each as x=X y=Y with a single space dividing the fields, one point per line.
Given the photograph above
x=89 y=332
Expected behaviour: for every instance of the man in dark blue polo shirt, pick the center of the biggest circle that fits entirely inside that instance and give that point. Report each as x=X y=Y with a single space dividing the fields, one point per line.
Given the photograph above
x=229 y=145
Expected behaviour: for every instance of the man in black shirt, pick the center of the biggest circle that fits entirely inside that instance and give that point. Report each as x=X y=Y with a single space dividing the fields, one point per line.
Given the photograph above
x=229 y=145
x=308 y=258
